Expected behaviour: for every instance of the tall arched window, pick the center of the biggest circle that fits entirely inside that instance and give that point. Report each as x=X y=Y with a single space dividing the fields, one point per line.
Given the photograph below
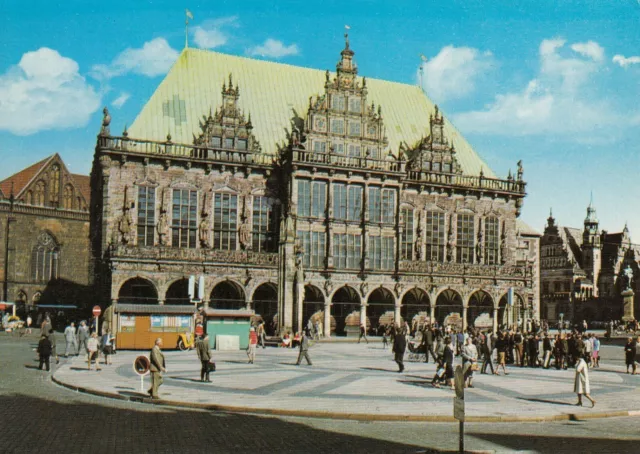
x=39 y=193
x=491 y=238
x=54 y=193
x=45 y=259
x=67 y=201
x=28 y=199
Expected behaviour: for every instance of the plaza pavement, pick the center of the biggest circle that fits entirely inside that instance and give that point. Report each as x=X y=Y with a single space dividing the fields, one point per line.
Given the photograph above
x=360 y=382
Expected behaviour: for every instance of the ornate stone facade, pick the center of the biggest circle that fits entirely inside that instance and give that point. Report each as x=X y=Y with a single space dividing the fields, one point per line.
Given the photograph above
x=335 y=224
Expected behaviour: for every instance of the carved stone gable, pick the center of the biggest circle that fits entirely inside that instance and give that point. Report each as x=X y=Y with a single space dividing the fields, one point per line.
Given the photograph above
x=228 y=128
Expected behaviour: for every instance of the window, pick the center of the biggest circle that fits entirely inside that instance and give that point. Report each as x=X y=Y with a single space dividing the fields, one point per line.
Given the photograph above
x=312 y=198
x=338 y=148
x=355 y=105
x=39 y=193
x=184 y=214
x=146 y=215
x=435 y=167
x=347 y=250
x=45 y=259
x=446 y=168
x=313 y=248
x=337 y=126
x=354 y=128
x=216 y=142
x=264 y=224
x=354 y=150
x=406 y=245
x=54 y=186
x=225 y=221
x=491 y=240
x=465 y=237
x=381 y=253
x=28 y=199
x=339 y=201
x=67 y=200
x=388 y=206
x=228 y=142
x=337 y=102
x=319 y=147
x=242 y=144
x=374 y=204
x=354 y=206
x=434 y=235
x=373 y=152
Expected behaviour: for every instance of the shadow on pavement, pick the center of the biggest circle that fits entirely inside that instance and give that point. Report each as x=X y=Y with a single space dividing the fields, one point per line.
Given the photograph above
x=153 y=429
x=554 y=444
x=544 y=401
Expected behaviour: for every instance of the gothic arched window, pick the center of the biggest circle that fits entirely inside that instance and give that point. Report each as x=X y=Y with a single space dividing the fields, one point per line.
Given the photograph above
x=39 y=193
x=45 y=259
x=67 y=201
x=55 y=186
x=28 y=199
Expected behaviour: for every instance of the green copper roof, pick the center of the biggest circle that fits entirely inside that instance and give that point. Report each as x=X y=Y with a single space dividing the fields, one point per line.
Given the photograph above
x=271 y=92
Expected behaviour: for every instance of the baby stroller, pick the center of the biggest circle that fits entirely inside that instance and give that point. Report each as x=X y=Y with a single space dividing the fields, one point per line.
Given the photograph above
x=416 y=350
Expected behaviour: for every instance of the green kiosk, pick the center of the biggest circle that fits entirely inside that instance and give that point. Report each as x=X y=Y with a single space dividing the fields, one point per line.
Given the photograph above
x=227 y=329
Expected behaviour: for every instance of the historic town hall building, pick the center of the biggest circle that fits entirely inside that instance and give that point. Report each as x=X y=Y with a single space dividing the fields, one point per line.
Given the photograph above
x=297 y=193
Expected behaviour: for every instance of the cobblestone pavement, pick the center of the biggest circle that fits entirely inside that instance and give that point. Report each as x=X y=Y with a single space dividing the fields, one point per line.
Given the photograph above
x=36 y=415
x=361 y=382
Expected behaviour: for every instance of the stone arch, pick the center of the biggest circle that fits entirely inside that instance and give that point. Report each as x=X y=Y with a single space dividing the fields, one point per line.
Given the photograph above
x=345 y=301
x=178 y=292
x=480 y=309
x=138 y=290
x=416 y=307
x=449 y=307
x=381 y=304
x=264 y=301
x=313 y=305
x=227 y=294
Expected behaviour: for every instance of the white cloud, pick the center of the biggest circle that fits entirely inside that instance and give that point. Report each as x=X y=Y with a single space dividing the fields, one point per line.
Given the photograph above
x=153 y=59
x=589 y=49
x=212 y=34
x=274 y=49
x=120 y=100
x=453 y=72
x=625 y=61
x=45 y=91
x=561 y=100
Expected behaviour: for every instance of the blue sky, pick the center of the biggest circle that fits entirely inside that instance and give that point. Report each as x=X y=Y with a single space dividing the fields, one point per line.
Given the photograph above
x=554 y=83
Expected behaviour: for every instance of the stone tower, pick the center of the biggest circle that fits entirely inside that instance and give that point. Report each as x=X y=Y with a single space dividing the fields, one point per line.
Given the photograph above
x=591 y=246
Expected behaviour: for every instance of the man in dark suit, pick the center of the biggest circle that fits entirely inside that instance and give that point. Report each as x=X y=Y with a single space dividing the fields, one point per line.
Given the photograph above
x=429 y=338
x=304 y=349
x=157 y=366
x=202 y=348
x=44 y=350
x=485 y=350
x=399 y=347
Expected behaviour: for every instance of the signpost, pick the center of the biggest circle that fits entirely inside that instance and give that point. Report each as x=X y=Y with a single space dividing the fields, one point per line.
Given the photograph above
x=96 y=313
x=458 y=403
x=141 y=366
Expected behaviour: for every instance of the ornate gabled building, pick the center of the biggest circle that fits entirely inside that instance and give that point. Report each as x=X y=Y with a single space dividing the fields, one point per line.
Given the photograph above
x=311 y=195
x=583 y=270
x=44 y=232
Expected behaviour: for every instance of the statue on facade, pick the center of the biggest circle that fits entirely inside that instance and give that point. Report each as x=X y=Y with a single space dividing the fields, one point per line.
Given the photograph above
x=419 y=241
x=124 y=226
x=627 y=276
x=244 y=234
x=520 y=170
x=479 y=248
x=451 y=242
x=163 y=228
x=203 y=231
x=106 y=121
x=503 y=249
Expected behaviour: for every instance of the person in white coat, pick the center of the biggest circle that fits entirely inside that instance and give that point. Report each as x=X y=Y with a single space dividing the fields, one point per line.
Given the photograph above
x=581 y=385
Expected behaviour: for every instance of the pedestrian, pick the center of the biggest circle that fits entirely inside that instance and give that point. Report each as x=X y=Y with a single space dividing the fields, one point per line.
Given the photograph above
x=107 y=346
x=157 y=367
x=502 y=345
x=304 y=350
x=45 y=326
x=385 y=339
x=92 y=351
x=44 y=351
x=485 y=349
x=399 y=347
x=588 y=348
x=54 y=350
x=429 y=337
x=448 y=361
x=518 y=339
x=204 y=355
x=83 y=337
x=70 y=339
x=29 y=322
x=253 y=343
x=363 y=333
x=469 y=361
x=582 y=385
x=261 y=334
x=546 y=348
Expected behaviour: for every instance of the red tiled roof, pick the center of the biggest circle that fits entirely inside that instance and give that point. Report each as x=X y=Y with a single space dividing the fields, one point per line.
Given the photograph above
x=83 y=184
x=22 y=178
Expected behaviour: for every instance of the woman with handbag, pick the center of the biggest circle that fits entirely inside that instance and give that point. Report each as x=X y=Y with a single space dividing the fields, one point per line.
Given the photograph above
x=107 y=346
x=469 y=361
